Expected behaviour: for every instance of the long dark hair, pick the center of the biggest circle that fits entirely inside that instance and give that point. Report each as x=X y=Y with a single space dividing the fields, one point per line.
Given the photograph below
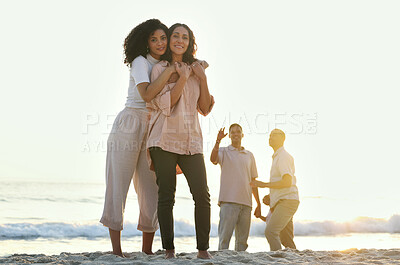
x=189 y=55
x=136 y=42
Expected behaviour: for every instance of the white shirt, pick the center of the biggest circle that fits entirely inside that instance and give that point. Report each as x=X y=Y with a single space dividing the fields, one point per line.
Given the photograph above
x=238 y=168
x=282 y=164
x=139 y=73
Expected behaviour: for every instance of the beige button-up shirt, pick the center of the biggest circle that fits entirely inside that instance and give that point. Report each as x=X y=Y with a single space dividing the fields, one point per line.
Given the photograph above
x=238 y=168
x=282 y=164
x=175 y=129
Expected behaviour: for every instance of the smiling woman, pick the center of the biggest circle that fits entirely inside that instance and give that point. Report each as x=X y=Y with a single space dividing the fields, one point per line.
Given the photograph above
x=157 y=43
x=175 y=137
x=181 y=35
x=143 y=48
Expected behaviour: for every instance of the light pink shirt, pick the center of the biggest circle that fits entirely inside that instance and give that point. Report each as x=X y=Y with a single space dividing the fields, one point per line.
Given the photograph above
x=175 y=129
x=238 y=168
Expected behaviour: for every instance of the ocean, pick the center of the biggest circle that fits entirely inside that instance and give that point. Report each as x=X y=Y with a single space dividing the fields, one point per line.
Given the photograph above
x=50 y=218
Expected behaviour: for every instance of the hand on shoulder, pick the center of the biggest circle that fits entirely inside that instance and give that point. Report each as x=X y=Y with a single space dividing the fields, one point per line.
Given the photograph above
x=183 y=70
x=198 y=70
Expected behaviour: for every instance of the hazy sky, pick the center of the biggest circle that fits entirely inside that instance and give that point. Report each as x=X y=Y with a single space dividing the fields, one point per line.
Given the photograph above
x=326 y=72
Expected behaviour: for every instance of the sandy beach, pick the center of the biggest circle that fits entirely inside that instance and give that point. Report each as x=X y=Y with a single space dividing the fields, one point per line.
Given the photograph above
x=287 y=256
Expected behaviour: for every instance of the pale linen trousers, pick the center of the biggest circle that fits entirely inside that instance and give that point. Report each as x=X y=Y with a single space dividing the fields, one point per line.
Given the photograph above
x=234 y=217
x=280 y=225
x=127 y=160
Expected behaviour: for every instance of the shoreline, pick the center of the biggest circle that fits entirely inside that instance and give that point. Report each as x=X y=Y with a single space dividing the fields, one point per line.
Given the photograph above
x=286 y=256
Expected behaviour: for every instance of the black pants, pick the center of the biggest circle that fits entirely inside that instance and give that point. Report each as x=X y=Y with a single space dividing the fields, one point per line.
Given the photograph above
x=195 y=172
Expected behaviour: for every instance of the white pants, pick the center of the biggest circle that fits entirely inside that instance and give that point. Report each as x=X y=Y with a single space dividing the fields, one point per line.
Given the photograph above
x=233 y=216
x=126 y=160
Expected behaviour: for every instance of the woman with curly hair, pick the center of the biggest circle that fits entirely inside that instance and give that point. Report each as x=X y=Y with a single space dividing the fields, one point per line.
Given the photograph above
x=126 y=145
x=175 y=137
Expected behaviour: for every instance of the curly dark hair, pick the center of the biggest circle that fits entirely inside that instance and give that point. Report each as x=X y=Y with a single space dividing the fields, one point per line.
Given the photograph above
x=189 y=55
x=135 y=43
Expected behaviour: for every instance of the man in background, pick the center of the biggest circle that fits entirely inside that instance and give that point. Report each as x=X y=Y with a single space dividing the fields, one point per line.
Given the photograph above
x=238 y=169
x=284 y=196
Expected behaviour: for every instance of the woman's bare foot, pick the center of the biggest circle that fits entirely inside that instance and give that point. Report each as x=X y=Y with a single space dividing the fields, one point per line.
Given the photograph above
x=115 y=237
x=119 y=254
x=170 y=254
x=203 y=254
x=147 y=243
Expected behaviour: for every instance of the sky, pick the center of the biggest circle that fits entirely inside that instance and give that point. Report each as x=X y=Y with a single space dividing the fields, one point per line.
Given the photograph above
x=326 y=72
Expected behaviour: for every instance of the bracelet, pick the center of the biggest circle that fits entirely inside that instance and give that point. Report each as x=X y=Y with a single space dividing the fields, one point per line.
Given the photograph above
x=218 y=142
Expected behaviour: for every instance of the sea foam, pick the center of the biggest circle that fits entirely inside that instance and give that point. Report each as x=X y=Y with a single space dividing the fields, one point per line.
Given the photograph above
x=184 y=228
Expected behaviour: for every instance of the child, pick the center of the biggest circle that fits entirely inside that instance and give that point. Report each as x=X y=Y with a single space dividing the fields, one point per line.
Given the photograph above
x=266 y=201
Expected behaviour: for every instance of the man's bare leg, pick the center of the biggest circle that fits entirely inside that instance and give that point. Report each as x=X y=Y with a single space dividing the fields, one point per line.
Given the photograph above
x=115 y=237
x=147 y=242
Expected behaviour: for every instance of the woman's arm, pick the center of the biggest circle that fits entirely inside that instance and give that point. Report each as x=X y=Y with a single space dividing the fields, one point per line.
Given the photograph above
x=204 y=101
x=205 y=97
x=169 y=96
x=184 y=72
x=149 y=90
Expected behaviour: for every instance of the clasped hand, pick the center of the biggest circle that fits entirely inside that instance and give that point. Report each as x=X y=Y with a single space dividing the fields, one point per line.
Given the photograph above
x=183 y=69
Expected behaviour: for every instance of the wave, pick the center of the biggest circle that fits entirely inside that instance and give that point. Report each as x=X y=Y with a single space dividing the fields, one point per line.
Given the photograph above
x=88 y=230
x=52 y=199
x=359 y=225
x=184 y=229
